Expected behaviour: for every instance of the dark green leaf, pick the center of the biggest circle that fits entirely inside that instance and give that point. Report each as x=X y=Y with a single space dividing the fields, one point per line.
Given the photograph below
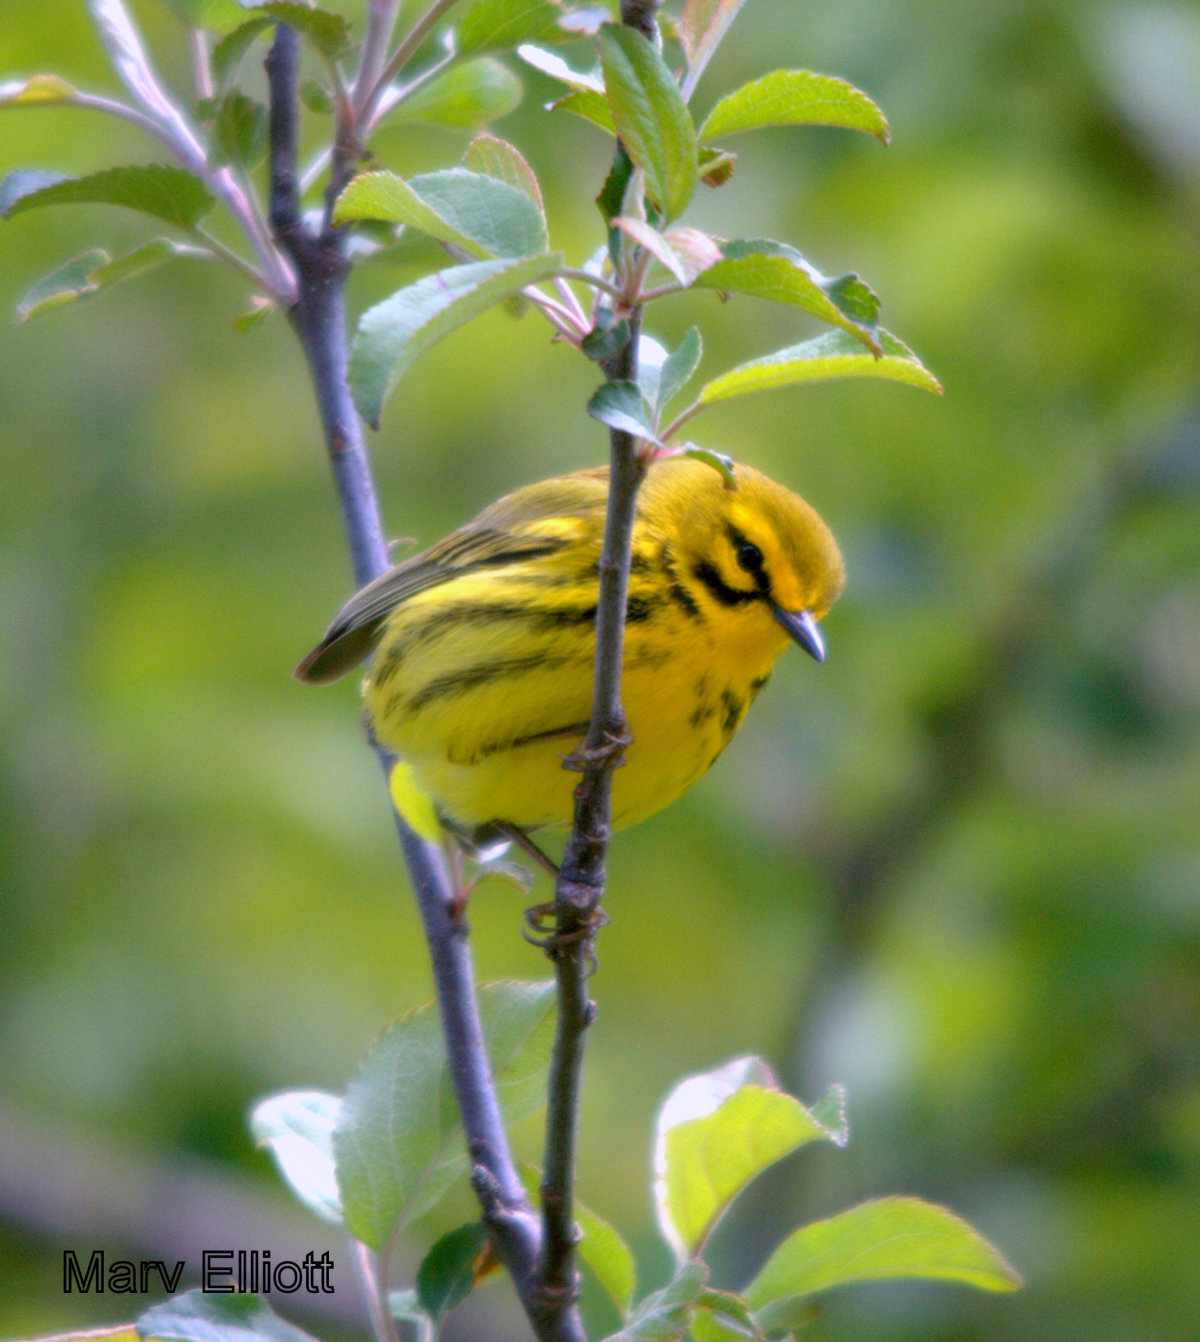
x=167 y=193
x=793 y=98
x=891 y=1238
x=466 y=97
x=241 y=129
x=777 y=272
x=398 y=1144
x=447 y=1274
x=607 y=338
x=620 y=405
x=206 y=1316
x=491 y=25
x=650 y=117
x=297 y=1127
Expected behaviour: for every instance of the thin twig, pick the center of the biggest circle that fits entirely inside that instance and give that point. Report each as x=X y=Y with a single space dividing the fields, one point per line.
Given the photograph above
x=581 y=881
x=381 y=20
x=403 y=54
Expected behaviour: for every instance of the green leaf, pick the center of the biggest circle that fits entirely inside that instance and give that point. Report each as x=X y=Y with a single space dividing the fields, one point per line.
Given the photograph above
x=22 y=182
x=677 y=371
x=316 y=97
x=167 y=193
x=490 y=25
x=794 y=98
x=711 y=1144
x=89 y=274
x=620 y=405
x=830 y=1113
x=447 y=1273
x=217 y=15
x=607 y=338
x=722 y=1314
x=891 y=1238
x=701 y=29
x=326 y=32
x=206 y=1316
x=228 y=52
x=480 y=214
x=685 y=252
x=777 y=272
x=590 y=106
x=835 y=355
x=397 y=1143
x=466 y=97
x=37 y=89
x=724 y=465
x=667 y=1314
x=552 y=64
x=241 y=129
x=297 y=1127
x=493 y=157
x=650 y=116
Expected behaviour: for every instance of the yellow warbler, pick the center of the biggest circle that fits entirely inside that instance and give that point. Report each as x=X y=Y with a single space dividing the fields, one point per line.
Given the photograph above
x=481 y=679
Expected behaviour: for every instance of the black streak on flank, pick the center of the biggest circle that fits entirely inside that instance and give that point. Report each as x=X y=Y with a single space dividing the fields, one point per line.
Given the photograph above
x=732 y=709
x=459 y=682
x=385 y=666
x=757 y=683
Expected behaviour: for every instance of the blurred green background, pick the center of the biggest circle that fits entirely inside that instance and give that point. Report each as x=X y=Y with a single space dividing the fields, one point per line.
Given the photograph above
x=957 y=868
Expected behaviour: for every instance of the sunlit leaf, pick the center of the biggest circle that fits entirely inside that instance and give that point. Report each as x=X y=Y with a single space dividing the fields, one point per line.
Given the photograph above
x=398 y=1143
x=497 y=158
x=297 y=1127
x=891 y=1238
x=552 y=64
x=835 y=355
x=650 y=117
x=792 y=98
x=209 y=1316
x=166 y=192
x=702 y=1162
x=777 y=272
x=44 y=89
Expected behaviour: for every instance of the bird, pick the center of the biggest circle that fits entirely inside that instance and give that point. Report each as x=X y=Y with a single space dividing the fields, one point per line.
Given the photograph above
x=481 y=647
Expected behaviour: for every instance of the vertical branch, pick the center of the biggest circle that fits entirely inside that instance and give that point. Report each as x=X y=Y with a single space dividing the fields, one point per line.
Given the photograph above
x=581 y=881
x=319 y=319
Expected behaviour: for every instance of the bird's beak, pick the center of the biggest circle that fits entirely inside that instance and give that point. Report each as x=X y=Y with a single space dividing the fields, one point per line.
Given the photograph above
x=803 y=628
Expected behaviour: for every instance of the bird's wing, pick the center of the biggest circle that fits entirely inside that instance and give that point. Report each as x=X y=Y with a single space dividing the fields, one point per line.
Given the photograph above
x=523 y=526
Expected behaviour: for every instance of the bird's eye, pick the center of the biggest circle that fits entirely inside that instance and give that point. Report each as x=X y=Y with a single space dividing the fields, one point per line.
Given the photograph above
x=750 y=557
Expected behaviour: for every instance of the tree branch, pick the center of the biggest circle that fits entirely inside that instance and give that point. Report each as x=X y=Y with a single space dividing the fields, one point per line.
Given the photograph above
x=319 y=319
x=581 y=880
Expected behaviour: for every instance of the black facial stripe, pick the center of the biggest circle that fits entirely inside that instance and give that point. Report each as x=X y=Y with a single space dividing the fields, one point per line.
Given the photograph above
x=721 y=590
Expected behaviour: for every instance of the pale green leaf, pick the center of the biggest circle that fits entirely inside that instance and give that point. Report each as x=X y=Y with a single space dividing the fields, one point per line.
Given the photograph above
x=678 y=368
x=297 y=1128
x=465 y=97
x=90 y=273
x=666 y=1315
x=701 y=29
x=650 y=116
x=497 y=158
x=480 y=214
x=398 y=1144
x=702 y=1163
x=621 y=406
x=218 y=15
x=210 y=1316
x=589 y=106
x=891 y=1238
x=793 y=98
x=835 y=355
x=165 y=192
x=490 y=25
